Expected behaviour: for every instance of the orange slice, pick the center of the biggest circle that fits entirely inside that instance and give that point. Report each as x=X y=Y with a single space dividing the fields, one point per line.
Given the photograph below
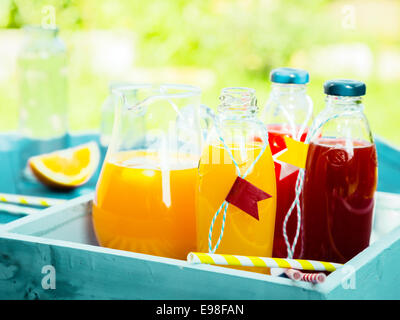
x=67 y=168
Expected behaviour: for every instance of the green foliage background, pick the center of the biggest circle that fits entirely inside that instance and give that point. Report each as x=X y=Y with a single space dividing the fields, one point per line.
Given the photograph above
x=239 y=41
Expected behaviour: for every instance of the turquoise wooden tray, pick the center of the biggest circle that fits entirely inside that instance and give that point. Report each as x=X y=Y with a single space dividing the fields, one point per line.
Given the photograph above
x=55 y=255
x=62 y=239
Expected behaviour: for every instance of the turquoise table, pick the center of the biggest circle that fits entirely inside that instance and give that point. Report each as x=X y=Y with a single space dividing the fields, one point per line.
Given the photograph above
x=55 y=255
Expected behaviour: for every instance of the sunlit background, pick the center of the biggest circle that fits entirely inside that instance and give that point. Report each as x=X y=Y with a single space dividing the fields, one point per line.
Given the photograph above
x=213 y=44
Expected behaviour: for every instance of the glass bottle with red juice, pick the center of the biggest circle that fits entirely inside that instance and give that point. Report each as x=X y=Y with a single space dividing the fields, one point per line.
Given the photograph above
x=340 y=177
x=287 y=112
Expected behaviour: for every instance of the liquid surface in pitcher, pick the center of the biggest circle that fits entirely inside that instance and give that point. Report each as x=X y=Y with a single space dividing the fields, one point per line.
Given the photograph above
x=285 y=186
x=243 y=234
x=338 y=199
x=136 y=209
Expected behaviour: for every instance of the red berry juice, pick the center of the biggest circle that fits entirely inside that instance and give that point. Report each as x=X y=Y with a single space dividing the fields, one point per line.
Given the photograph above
x=338 y=200
x=285 y=183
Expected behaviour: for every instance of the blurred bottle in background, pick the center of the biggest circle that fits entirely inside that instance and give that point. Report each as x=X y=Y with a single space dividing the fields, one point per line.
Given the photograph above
x=43 y=85
x=42 y=72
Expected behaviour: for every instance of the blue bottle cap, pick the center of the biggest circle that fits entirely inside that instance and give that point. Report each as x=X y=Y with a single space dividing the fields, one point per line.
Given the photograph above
x=289 y=75
x=344 y=87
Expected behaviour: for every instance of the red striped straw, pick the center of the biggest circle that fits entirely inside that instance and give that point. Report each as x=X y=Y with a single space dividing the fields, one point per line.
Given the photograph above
x=293 y=274
x=297 y=275
x=313 y=277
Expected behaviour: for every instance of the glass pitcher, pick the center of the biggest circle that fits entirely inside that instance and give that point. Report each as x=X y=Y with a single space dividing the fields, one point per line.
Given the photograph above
x=145 y=196
x=107 y=113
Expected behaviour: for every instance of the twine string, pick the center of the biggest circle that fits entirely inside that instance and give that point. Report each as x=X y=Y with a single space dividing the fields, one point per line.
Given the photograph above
x=315 y=127
x=224 y=206
x=295 y=136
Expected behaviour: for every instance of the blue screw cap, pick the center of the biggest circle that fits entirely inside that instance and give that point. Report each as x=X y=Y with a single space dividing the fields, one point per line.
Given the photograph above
x=344 y=87
x=289 y=75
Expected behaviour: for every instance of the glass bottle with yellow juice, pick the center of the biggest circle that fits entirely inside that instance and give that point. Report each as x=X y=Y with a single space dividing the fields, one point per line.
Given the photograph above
x=236 y=146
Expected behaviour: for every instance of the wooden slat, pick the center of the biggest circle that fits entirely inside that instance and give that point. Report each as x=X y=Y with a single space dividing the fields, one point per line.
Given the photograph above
x=100 y=273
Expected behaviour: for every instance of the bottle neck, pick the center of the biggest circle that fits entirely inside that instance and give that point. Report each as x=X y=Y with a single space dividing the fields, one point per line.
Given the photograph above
x=285 y=89
x=238 y=103
x=344 y=103
x=39 y=32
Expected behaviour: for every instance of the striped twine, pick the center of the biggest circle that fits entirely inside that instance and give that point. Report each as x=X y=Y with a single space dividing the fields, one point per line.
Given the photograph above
x=224 y=206
x=296 y=202
x=298 y=188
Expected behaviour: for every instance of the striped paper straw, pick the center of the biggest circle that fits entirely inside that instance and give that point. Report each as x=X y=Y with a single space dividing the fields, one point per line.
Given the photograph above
x=249 y=261
x=297 y=275
x=30 y=200
x=14 y=209
x=313 y=277
x=293 y=274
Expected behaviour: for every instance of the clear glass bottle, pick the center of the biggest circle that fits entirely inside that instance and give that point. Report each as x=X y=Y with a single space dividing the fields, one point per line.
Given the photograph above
x=145 y=195
x=43 y=84
x=237 y=145
x=340 y=177
x=288 y=112
x=42 y=72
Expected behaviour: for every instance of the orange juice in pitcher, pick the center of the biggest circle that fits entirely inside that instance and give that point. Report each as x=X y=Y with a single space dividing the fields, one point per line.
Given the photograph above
x=133 y=211
x=145 y=196
x=237 y=189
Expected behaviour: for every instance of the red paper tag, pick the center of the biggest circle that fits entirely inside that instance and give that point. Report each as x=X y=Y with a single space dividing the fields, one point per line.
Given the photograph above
x=245 y=196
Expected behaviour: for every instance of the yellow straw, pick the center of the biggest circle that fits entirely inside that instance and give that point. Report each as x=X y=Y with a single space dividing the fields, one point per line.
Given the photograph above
x=14 y=209
x=30 y=200
x=250 y=261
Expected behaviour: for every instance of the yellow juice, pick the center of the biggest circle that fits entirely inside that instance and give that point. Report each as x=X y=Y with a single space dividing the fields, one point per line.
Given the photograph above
x=139 y=207
x=243 y=234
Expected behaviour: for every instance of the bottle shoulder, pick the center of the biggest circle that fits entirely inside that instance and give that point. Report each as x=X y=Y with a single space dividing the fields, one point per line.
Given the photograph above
x=295 y=110
x=348 y=123
x=238 y=131
x=42 y=48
